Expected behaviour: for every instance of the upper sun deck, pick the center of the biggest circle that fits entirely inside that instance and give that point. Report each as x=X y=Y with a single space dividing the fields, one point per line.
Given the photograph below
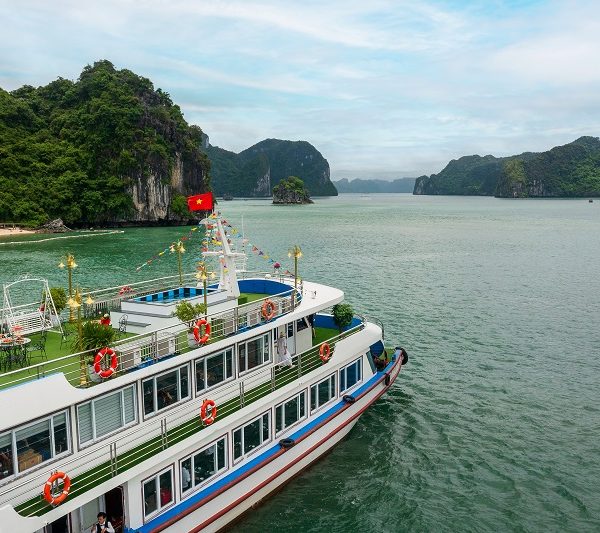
x=152 y=304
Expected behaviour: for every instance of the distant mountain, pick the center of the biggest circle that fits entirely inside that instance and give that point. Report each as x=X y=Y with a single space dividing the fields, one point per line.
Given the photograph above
x=255 y=171
x=368 y=186
x=564 y=171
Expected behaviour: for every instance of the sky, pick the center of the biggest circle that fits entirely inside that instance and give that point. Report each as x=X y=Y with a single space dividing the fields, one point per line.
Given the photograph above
x=383 y=89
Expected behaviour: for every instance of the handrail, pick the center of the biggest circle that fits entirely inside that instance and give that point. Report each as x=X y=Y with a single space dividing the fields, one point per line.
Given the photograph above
x=179 y=419
x=225 y=323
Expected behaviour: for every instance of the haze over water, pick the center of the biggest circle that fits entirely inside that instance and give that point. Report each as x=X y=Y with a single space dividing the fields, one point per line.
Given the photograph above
x=494 y=423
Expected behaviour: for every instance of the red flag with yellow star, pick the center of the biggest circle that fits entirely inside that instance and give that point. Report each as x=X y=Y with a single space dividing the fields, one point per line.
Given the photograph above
x=200 y=202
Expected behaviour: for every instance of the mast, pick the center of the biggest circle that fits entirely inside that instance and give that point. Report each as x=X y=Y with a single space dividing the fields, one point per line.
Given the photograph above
x=228 y=277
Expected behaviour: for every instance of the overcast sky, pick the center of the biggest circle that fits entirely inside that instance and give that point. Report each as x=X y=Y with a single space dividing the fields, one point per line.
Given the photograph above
x=381 y=88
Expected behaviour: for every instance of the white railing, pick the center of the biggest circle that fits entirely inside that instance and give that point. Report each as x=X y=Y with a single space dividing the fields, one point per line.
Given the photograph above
x=147 y=348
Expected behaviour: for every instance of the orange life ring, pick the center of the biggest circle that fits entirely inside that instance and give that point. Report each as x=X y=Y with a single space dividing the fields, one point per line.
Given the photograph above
x=268 y=310
x=65 y=490
x=325 y=352
x=206 y=336
x=114 y=362
x=208 y=419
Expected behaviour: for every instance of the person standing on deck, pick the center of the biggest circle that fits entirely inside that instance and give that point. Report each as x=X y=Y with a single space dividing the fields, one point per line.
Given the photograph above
x=284 y=357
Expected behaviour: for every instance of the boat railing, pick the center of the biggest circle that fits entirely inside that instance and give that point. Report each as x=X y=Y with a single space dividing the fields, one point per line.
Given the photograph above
x=121 y=452
x=145 y=349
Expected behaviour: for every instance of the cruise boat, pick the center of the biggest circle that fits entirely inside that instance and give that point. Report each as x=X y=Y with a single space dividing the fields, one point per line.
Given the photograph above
x=168 y=430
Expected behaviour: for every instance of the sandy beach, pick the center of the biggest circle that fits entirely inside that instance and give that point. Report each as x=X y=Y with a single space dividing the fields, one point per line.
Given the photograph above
x=16 y=231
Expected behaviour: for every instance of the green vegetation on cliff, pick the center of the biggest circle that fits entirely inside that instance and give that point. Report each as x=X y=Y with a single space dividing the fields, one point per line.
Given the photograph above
x=78 y=150
x=564 y=171
x=256 y=170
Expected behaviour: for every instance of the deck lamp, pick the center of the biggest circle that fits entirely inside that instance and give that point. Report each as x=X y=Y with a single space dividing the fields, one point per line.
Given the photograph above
x=178 y=247
x=296 y=253
x=74 y=304
x=203 y=275
x=71 y=264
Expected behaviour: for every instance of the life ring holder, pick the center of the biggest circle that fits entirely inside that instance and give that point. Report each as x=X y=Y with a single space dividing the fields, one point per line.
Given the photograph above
x=206 y=336
x=65 y=490
x=114 y=362
x=269 y=308
x=206 y=418
x=325 y=352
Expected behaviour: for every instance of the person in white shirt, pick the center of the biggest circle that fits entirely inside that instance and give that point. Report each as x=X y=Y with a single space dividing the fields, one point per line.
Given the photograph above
x=283 y=355
x=103 y=525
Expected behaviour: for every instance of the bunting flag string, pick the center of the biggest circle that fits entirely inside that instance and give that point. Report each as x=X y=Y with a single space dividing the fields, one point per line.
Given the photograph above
x=170 y=249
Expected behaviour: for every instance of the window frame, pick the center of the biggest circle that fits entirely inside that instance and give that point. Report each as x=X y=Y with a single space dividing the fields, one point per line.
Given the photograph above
x=267 y=342
x=345 y=369
x=282 y=404
x=95 y=439
x=261 y=445
x=204 y=359
x=316 y=385
x=13 y=444
x=159 y=508
x=155 y=394
x=194 y=488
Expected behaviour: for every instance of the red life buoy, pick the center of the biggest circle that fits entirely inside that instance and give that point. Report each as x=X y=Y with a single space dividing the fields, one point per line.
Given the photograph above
x=65 y=490
x=268 y=310
x=208 y=419
x=114 y=362
x=324 y=352
x=206 y=336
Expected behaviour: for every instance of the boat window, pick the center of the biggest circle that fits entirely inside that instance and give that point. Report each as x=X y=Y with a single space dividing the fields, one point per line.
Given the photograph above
x=350 y=375
x=106 y=414
x=301 y=324
x=253 y=353
x=251 y=436
x=158 y=492
x=203 y=465
x=290 y=412
x=322 y=392
x=166 y=389
x=214 y=369
x=28 y=446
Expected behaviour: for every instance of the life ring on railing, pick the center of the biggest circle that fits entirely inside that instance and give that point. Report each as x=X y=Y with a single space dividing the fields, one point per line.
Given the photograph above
x=325 y=352
x=65 y=490
x=206 y=336
x=268 y=310
x=114 y=362
x=208 y=419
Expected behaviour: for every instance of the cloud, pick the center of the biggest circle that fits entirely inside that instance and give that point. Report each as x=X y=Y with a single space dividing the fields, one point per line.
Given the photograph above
x=383 y=84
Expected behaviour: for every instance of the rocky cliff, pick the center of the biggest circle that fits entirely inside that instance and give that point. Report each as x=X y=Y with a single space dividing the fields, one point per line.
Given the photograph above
x=563 y=171
x=106 y=149
x=255 y=171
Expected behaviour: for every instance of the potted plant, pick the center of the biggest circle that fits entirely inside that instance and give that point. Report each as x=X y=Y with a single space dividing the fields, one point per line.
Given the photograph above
x=342 y=315
x=188 y=313
x=94 y=336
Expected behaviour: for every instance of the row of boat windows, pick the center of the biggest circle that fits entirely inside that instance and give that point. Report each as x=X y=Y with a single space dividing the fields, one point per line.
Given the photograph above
x=49 y=438
x=202 y=466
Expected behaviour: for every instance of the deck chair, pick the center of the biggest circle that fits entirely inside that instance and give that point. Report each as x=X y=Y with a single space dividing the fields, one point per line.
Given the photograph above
x=38 y=346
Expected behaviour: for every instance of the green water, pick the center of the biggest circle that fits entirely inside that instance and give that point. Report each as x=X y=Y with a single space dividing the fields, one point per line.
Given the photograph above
x=494 y=425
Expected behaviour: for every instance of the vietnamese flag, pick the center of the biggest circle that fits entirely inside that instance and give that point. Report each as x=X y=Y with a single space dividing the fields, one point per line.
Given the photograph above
x=200 y=202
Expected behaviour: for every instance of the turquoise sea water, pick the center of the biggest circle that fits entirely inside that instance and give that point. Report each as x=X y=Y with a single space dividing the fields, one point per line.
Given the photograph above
x=495 y=423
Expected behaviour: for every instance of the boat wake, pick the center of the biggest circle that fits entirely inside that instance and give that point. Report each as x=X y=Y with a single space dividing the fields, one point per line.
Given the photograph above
x=81 y=236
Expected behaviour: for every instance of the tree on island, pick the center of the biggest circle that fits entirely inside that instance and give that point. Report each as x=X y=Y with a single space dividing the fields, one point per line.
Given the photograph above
x=291 y=190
